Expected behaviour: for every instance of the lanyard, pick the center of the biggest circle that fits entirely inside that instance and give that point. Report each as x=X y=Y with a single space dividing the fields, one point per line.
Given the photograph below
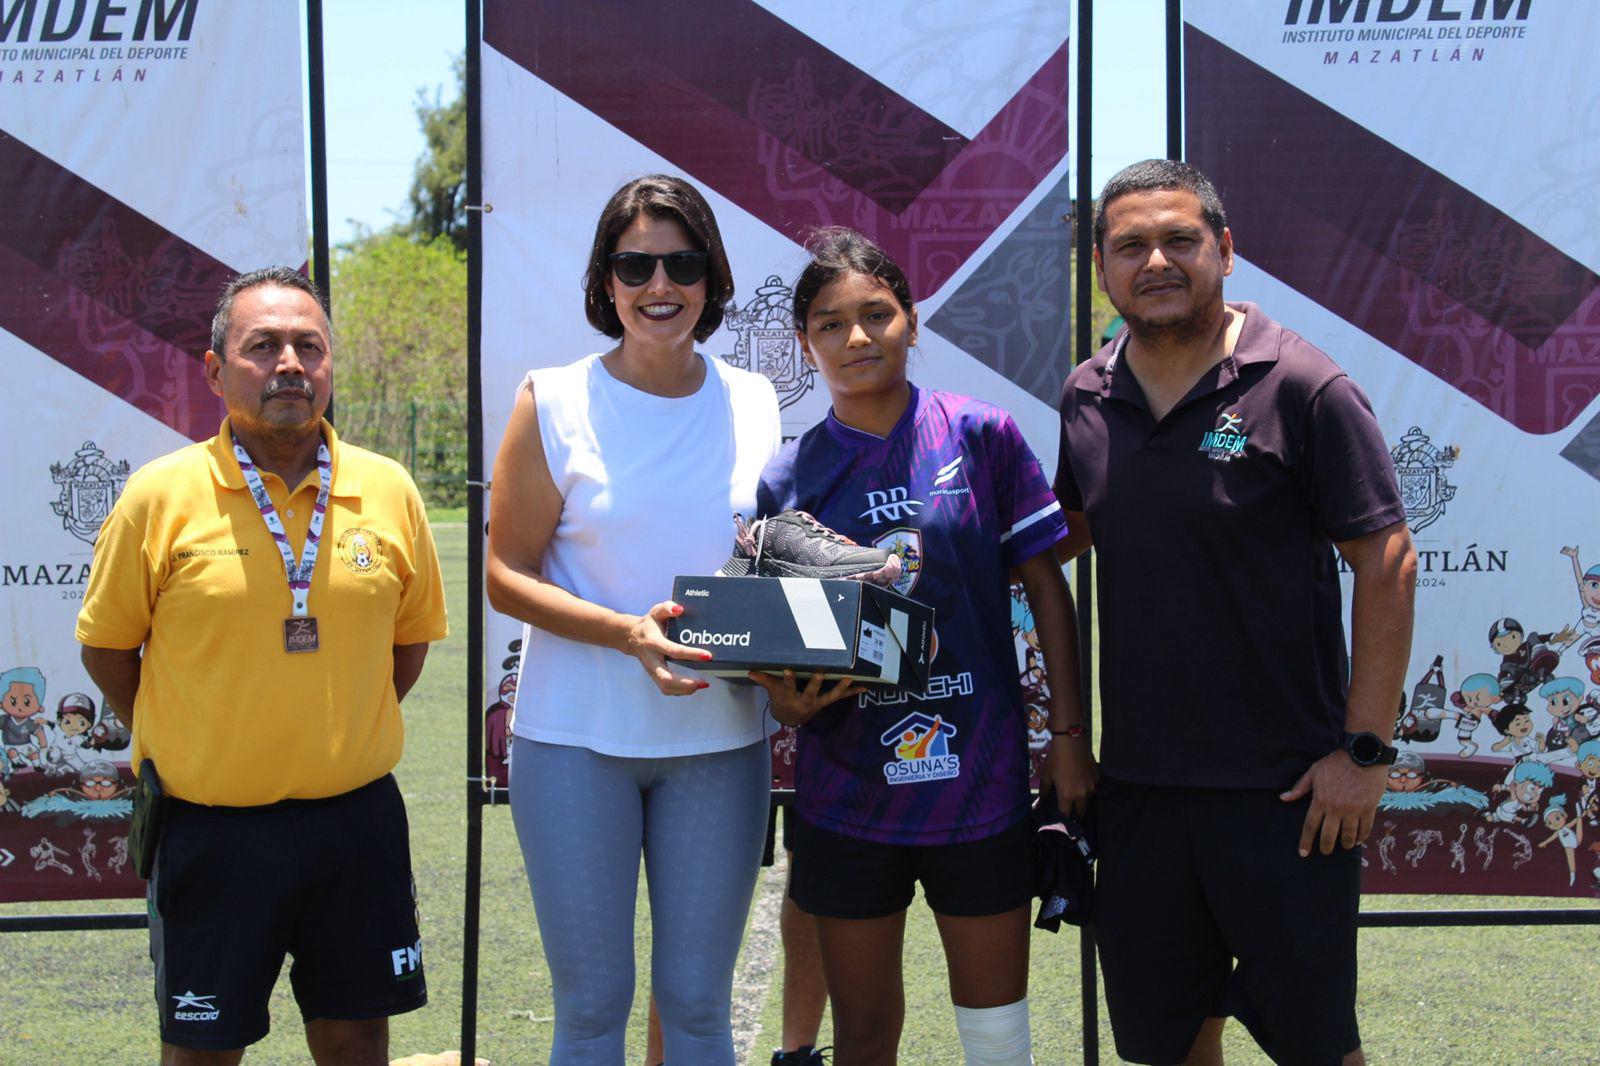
x=299 y=574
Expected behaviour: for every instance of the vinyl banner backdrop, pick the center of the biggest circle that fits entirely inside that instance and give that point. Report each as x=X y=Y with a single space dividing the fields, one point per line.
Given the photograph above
x=938 y=129
x=1411 y=185
x=147 y=152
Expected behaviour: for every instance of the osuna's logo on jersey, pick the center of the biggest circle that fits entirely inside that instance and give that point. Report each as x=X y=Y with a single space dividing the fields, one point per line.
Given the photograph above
x=890 y=505
x=921 y=745
x=1225 y=443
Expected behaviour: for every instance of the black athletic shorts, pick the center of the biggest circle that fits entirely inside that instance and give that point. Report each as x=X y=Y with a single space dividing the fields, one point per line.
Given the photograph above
x=327 y=881
x=1204 y=908
x=837 y=876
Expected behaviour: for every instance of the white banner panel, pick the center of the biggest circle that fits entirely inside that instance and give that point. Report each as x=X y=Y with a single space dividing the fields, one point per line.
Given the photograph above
x=942 y=134
x=148 y=151
x=1410 y=185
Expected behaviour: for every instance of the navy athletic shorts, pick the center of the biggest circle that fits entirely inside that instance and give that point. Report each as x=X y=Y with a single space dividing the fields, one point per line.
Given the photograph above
x=327 y=881
x=838 y=876
x=1204 y=909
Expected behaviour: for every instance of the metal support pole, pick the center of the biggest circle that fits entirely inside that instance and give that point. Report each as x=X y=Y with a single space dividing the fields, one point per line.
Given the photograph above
x=1174 y=79
x=1082 y=230
x=475 y=534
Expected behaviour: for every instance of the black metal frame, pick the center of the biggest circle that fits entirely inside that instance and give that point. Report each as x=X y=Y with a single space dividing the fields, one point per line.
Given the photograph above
x=1083 y=572
x=478 y=788
x=39 y=923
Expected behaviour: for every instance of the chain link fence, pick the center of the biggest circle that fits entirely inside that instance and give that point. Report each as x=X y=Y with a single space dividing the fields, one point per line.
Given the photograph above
x=428 y=439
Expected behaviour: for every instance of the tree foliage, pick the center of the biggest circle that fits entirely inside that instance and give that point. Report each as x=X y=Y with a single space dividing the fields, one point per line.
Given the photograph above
x=438 y=196
x=400 y=363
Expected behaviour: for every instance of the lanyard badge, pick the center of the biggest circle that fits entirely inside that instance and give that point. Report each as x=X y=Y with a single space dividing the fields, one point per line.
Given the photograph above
x=300 y=628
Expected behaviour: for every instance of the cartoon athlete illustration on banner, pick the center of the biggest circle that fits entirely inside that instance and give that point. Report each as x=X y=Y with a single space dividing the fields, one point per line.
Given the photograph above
x=1411 y=788
x=22 y=726
x=1567 y=830
x=98 y=796
x=1476 y=697
x=1527 y=660
x=69 y=749
x=1588 y=593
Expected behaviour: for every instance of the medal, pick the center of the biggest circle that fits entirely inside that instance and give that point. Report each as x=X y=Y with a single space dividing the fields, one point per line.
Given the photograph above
x=299 y=629
x=299 y=634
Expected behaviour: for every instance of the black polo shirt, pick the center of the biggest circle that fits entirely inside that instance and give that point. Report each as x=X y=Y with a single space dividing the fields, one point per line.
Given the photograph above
x=1222 y=650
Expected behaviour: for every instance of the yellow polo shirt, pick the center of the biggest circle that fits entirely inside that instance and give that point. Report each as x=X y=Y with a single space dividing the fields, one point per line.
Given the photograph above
x=184 y=566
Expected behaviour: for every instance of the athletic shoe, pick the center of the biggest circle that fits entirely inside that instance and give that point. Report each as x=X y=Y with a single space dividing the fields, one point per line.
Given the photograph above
x=793 y=544
x=800 y=1056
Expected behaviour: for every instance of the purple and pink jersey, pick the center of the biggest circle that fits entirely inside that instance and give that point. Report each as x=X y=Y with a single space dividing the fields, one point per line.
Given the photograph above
x=957 y=492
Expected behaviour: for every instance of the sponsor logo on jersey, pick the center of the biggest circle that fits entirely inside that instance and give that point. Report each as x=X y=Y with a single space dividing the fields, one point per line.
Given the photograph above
x=948 y=473
x=921 y=747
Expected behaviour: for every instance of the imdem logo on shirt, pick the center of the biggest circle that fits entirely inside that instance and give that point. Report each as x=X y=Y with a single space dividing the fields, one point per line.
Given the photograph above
x=1225 y=443
x=921 y=745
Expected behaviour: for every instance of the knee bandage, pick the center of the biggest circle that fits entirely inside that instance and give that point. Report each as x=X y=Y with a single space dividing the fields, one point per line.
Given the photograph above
x=996 y=1036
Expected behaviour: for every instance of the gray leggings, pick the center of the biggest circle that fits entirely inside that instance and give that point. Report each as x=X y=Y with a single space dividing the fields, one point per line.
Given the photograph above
x=582 y=819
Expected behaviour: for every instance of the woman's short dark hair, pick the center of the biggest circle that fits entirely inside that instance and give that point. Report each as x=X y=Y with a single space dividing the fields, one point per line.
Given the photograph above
x=837 y=251
x=659 y=196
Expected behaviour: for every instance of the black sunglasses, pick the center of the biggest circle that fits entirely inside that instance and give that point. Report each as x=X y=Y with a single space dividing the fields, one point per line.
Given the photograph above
x=636 y=268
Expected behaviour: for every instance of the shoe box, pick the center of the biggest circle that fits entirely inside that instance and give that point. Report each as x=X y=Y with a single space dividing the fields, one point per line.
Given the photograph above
x=808 y=625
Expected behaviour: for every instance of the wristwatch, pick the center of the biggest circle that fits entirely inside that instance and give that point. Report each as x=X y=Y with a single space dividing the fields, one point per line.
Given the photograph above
x=1368 y=749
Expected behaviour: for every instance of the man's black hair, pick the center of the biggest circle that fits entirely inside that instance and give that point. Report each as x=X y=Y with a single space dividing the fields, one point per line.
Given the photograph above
x=1151 y=174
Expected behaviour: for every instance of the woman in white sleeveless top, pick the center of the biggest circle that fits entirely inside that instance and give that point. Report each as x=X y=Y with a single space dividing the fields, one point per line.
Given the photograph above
x=616 y=473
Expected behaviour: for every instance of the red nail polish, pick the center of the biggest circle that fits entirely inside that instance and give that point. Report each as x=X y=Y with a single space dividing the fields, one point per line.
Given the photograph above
x=705 y=657
x=703 y=684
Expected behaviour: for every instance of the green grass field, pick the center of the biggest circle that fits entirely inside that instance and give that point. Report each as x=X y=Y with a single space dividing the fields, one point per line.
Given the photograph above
x=1507 y=995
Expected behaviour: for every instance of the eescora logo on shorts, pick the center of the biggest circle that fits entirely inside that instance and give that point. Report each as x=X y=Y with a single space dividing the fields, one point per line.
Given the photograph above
x=188 y=1007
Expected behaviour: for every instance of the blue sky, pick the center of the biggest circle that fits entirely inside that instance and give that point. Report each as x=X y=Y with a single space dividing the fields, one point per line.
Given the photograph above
x=376 y=64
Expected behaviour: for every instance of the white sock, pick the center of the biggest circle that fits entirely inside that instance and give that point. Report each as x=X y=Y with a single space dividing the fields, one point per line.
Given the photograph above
x=996 y=1036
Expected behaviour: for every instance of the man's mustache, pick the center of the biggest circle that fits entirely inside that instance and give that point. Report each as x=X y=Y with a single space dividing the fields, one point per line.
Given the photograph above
x=291 y=386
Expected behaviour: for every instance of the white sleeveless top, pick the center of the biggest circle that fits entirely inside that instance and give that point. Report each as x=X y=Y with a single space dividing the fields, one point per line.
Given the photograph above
x=649 y=487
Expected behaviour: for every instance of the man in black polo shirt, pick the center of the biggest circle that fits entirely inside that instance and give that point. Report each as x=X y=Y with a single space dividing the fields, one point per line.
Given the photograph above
x=1216 y=460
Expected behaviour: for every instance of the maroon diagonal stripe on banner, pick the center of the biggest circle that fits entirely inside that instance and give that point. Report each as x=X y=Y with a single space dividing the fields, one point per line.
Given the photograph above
x=1391 y=245
x=737 y=57
x=105 y=291
x=788 y=130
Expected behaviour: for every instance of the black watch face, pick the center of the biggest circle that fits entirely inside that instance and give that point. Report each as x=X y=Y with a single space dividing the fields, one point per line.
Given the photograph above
x=1366 y=749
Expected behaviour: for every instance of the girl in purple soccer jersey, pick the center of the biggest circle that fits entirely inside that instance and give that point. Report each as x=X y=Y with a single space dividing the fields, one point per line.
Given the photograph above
x=892 y=789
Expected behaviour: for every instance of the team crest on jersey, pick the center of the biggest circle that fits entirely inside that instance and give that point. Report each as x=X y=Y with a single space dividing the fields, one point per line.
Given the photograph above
x=906 y=543
x=921 y=746
x=361 y=551
x=1225 y=443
